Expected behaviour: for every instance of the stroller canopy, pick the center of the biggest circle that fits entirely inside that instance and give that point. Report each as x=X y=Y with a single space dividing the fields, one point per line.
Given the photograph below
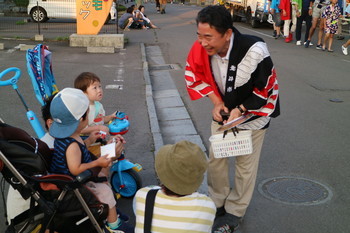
x=40 y=72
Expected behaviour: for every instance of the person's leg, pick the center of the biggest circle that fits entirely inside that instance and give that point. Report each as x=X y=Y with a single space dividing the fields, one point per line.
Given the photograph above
x=218 y=175
x=298 y=29
x=326 y=37
x=278 y=24
x=308 y=24
x=286 y=27
x=344 y=47
x=330 y=42
x=313 y=28
x=294 y=20
x=127 y=27
x=246 y=168
x=320 y=32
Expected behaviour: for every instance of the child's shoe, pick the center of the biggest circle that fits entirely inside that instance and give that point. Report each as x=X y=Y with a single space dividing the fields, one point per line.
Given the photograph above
x=123 y=228
x=122 y=216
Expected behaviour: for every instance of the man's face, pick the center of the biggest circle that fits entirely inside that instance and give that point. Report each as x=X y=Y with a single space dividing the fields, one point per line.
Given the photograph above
x=213 y=41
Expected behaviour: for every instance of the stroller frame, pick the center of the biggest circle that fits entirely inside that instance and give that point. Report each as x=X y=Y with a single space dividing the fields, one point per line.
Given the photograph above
x=65 y=183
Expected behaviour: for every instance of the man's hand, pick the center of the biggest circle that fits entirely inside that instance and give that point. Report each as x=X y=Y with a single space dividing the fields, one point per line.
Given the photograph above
x=218 y=107
x=284 y=13
x=235 y=113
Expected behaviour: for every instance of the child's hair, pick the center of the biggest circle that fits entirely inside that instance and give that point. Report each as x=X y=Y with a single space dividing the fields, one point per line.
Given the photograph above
x=84 y=80
x=45 y=110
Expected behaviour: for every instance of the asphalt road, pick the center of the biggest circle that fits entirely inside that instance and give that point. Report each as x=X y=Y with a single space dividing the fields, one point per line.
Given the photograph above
x=309 y=140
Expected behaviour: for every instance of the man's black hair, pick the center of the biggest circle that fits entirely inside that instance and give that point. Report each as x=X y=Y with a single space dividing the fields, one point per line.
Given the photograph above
x=216 y=16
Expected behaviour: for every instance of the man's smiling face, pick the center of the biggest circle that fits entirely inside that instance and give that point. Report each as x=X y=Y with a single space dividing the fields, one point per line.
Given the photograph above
x=213 y=41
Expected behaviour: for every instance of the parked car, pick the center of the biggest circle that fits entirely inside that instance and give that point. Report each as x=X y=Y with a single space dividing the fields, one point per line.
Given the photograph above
x=43 y=10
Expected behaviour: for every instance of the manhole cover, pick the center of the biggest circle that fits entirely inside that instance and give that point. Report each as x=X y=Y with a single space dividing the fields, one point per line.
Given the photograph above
x=292 y=190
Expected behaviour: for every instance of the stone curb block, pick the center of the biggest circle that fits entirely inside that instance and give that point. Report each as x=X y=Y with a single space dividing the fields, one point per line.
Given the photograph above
x=100 y=50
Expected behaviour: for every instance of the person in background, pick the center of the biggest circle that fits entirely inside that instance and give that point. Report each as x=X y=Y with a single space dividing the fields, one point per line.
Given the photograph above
x=162 y=6
x=178 y=207
x=318 y=6
x=345 y=46
x=303 y=12
x=346 y=15
x=288 y=14
x=126 y=19
x=140 y=14
x=275 y=11
x=331 y=16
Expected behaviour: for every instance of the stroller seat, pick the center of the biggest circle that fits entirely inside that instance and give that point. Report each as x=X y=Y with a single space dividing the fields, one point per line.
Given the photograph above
x=59 y=203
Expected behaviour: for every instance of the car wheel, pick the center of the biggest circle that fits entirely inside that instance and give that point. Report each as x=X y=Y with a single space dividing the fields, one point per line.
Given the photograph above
x=38 y=14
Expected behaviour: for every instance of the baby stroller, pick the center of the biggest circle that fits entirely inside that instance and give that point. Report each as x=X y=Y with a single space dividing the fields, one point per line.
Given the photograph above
x=59 y=203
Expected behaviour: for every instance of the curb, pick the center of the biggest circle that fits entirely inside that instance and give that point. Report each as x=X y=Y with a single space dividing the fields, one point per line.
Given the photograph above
x=153 y=119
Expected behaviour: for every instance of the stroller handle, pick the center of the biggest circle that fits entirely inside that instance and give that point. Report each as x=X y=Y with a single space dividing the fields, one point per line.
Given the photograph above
x=12 y=81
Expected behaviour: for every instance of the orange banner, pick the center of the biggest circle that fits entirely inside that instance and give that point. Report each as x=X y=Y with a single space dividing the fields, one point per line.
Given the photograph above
x=91 y=15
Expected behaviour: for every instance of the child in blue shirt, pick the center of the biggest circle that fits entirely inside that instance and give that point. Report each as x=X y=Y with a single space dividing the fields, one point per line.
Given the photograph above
x=69 y=110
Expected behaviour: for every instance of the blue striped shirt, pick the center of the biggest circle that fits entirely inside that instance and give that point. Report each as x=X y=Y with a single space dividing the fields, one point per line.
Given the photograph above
x=59 y=161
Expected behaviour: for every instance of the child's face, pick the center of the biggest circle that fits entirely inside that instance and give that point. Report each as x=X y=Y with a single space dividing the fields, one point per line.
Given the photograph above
x=94 y=92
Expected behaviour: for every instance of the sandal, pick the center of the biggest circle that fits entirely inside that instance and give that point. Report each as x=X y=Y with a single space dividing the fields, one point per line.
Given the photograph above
x=323 y=48
x=330 y=50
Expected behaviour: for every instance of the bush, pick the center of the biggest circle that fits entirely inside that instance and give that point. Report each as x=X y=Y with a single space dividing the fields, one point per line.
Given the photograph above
x=23 y=3
x=121 y=8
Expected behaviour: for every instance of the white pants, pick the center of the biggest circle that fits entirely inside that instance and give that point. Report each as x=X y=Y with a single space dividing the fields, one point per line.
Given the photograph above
x=287 y=22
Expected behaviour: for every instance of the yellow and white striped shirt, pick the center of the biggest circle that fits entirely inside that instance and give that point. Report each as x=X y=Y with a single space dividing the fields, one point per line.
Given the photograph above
x=192 y=213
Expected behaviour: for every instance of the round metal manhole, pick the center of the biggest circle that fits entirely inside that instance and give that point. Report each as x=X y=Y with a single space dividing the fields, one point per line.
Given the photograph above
x=293 y=190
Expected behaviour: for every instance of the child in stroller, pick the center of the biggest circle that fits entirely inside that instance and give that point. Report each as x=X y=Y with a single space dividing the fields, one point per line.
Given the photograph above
x=62 y=202
x=69 y=110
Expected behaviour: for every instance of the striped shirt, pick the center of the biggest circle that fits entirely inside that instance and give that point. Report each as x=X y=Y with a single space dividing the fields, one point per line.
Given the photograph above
x=192 y=213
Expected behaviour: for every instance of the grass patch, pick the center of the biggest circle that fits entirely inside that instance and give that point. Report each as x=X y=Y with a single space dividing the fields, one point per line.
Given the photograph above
x=61 y=38
x=23 y=3
x=20 y=22
x=121 y=8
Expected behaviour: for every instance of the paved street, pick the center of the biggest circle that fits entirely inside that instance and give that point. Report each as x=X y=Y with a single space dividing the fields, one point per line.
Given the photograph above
x=307 y=144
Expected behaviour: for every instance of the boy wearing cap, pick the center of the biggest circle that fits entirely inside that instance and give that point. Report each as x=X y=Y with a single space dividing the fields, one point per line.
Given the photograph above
x=69 y=110
x=178 y=207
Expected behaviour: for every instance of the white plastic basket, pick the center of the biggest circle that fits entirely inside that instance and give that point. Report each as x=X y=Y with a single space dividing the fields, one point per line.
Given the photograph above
x=232 y=145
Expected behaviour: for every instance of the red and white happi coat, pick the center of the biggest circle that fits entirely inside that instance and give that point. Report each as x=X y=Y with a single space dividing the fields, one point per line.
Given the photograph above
x=251 y=79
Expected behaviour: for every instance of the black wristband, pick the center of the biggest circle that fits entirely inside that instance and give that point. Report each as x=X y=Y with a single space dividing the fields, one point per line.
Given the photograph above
x=240 y=109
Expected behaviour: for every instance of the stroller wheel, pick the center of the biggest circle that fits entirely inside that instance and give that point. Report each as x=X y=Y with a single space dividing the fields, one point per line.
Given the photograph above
x=132 y=183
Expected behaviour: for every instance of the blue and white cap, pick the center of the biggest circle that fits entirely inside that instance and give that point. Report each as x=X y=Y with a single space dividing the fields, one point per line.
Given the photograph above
x=66 y=109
